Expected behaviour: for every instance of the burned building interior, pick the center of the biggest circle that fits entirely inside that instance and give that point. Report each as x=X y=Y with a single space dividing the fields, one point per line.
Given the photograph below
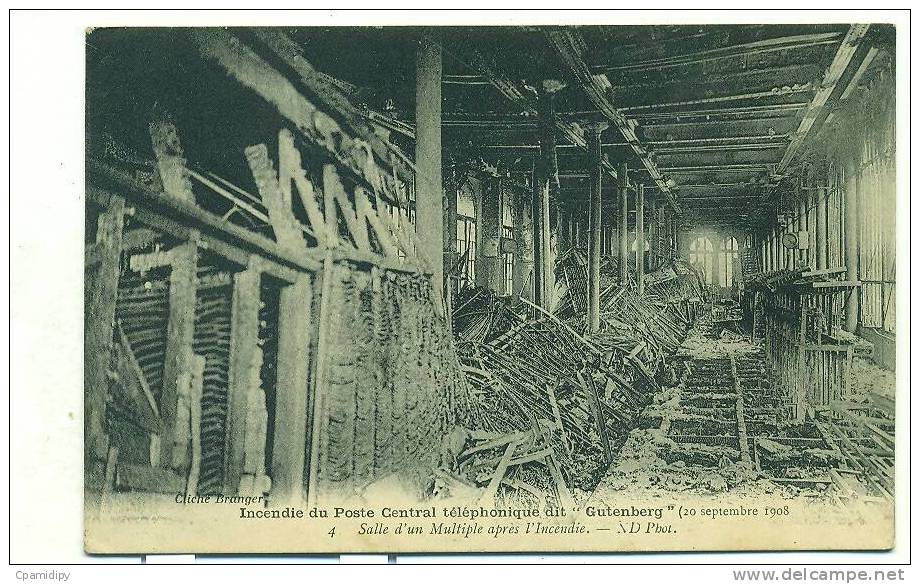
x=521 y=266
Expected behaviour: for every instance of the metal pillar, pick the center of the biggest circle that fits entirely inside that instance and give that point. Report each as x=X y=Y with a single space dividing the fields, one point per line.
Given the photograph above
x=623 y=180
x=524 y=251
x=542 y=262
x=488 y=253
x=640 y=238
x=594 y=231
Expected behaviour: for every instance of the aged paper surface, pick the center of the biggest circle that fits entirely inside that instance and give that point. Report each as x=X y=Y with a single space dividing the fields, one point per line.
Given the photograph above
x=379 y=289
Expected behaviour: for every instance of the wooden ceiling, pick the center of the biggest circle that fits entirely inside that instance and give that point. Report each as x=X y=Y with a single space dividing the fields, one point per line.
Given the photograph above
x=713 y=114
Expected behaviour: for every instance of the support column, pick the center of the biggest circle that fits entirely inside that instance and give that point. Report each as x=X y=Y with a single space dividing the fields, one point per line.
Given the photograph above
x=243 y=375
x=676 y=249
x=640 y=238
x=449 y=231
x=763 y=256
x=851 y=205
x=718 y=261
x=821 y=219
x=777 y=248
x=547 y=114
x=653 y=259
x=542 y=270
x=100 y=311
x=802 y=255
x=594 y=230
x=180 y=333
x=429 y=195
x=769 y=252
x=548 y=182
x=488 y=253
x=293 y=393
x=622 y=227
x=811 y=212
x=523 y=234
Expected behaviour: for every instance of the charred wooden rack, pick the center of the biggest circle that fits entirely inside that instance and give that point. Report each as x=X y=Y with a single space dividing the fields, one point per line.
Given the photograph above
x=285 y=341
x=805 y=343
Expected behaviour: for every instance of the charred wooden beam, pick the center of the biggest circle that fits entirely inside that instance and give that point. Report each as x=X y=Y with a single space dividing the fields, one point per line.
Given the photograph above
x=243 y=375
x=743 y=96
x=100 y=311
x=180 y=330
x=741 y=50
x=727 y=111
x=719 y=148
x=749 y=77
x=849 y=48
x=293 y=392
x=674 y=122
x=758 y=139
x=328 y=91
x=718 y=168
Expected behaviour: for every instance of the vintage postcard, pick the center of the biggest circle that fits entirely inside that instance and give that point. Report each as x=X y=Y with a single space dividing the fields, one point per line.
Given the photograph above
x=570 y=288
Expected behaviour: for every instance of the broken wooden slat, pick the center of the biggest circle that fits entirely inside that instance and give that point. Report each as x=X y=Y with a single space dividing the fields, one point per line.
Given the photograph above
x=492 y=489
x=133 y=384
x=848 y=48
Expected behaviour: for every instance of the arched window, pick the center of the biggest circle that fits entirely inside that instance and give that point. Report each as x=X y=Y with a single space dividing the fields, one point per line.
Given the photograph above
x=729 y=250
x=701 y=257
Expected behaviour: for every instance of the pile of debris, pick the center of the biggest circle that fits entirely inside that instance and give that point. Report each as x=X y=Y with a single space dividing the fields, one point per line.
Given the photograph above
x=557 y=406
x=541 y=376
x=649 y=326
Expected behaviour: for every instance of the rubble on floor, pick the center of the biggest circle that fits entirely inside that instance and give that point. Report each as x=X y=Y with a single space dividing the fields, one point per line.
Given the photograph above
x=561 y=404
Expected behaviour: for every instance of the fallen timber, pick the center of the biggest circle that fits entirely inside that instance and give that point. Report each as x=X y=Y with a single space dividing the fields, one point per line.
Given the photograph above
x=560 y=405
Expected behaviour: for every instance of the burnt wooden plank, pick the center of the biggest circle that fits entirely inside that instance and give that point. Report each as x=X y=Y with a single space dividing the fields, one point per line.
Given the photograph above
x=177 y=366
x=100 y=319
x=292 y=391
x=244 y=372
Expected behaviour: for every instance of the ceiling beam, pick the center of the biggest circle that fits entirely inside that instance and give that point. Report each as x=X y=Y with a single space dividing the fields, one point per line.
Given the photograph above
x=719 y=198
x=789 y=108
x=721 y=140
x=718 y=168
x=570 y=47
x=776 y=92
x=523 y=97
x=780 y=75
x=713 y=122
x=769 y=45
x=847 y=50
x=717 y=148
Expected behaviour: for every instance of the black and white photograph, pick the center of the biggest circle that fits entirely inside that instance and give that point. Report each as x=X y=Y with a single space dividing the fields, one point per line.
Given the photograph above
x=459 y=287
